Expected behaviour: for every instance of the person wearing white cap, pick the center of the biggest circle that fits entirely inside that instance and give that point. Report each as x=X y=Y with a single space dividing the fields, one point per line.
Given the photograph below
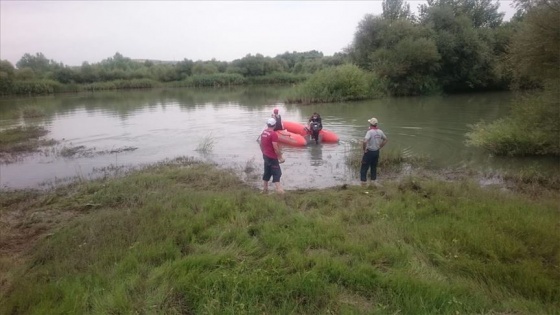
x=272 y=157
x=374 y=140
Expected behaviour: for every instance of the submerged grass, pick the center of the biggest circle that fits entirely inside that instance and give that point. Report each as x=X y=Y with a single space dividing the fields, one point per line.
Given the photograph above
x=391 y=161
x=32 y=112
x=206 y=144
x=188 y=238
x=19 y=140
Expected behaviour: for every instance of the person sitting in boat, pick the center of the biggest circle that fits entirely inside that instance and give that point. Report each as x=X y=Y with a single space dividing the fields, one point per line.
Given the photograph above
x=278 y=118
x=314 y=126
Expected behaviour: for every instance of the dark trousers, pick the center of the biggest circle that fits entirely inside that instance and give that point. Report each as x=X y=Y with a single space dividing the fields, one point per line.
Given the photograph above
x=369 y=161
x=271 y=169
x=315 y=135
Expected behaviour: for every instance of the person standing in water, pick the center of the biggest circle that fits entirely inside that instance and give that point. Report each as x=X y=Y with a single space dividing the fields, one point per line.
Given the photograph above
x=374 y=140
x=272 y=157
x=278 y=119
x=314 y=126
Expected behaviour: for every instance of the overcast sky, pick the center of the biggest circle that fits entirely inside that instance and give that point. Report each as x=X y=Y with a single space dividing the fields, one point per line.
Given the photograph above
x=72 y=32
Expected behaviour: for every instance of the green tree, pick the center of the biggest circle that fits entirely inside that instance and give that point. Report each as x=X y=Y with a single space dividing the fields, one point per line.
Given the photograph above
x=533 y=126
x=535 y=49
x=467 y=60
x=38 y=63
x=400 y=51
x=289 y=60
x=250 y=66
x=164 y=73
x=119 y=62
x=184 y=68
x=201 y=67
x=481 y=13
x=7 y=76
x=396 y=9
x=25 y=74
x=88 y=73
x=367 y=39
x=409 y=67
x=64 y=75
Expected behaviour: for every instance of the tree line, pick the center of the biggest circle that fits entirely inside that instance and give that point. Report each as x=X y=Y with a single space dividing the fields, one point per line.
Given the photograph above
x=451 y=46
x=33 y=71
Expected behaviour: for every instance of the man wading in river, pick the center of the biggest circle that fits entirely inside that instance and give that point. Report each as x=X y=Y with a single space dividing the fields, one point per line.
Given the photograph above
x=374 y=140
x=272 y=157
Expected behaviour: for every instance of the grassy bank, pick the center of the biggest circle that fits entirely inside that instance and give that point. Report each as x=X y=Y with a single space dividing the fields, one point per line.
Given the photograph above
x=184 y=237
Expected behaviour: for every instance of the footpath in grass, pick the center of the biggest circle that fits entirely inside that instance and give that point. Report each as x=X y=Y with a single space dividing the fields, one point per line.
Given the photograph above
x=187 y=238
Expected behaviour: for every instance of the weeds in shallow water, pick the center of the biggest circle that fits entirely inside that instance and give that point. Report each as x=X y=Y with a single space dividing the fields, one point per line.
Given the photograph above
x=15 y=142
x=32 y=112
x=390 y=160
x=206 y=144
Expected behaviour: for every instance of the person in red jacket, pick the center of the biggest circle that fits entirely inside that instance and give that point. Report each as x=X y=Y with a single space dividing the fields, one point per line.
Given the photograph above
x=272 y=157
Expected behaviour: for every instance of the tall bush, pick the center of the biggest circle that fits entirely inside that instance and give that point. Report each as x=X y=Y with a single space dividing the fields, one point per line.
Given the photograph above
x=532 y=128
x=336 y=84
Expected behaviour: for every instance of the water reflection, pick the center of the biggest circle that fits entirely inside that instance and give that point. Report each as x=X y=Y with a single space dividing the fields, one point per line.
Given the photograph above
x=167 y=123
x=316 y=154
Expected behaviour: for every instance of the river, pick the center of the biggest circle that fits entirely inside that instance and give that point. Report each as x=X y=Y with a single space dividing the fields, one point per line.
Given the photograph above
x=112 y=131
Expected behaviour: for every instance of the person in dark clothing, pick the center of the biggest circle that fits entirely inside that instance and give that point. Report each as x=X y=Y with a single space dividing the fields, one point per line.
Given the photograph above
x=314 y=126
x=278 y=118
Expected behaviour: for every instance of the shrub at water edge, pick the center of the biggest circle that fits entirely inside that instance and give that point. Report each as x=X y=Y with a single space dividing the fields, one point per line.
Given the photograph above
x=531 y=129
x=338 y=84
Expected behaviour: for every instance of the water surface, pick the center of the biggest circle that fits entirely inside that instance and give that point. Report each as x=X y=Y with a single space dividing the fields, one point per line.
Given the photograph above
x=120 y=129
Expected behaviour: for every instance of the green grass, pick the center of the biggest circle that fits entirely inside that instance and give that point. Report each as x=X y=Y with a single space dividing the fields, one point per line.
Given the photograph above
x=185 y=237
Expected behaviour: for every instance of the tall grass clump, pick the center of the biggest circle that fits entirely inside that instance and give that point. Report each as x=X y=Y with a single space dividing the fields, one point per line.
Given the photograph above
x=121 y=85
x=337 y=84
x=15 y=142
x=14 y=138
x=36 y=87
x=206 y=144
x=532 y=128
x=187 y=238
x=390 y=160
x=32 y=112
x=212 y=80
x=278 y=78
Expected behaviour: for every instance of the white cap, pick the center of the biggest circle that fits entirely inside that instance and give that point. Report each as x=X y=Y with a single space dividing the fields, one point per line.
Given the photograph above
x=372 y=121
x=271 y=121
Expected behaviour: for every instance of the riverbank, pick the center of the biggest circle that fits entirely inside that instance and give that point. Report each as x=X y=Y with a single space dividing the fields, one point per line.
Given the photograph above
x=185 y=237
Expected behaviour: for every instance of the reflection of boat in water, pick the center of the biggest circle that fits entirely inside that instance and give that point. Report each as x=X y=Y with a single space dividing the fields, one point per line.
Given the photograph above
x=300 y=129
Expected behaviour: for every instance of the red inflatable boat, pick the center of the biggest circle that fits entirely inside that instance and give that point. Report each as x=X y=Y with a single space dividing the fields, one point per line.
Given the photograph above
x=291 y=138
x=300 y=129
